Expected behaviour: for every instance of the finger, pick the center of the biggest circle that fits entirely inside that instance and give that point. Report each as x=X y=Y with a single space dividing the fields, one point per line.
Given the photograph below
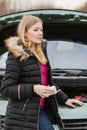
x=72 y=105
x=42 y=96
x=45 y=95
x=78 y=102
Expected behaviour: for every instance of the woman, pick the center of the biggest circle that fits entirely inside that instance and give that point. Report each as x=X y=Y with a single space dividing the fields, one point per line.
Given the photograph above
x=28 y=81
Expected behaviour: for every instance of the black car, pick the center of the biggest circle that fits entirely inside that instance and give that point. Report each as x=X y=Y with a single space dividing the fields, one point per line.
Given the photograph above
x=66 y=33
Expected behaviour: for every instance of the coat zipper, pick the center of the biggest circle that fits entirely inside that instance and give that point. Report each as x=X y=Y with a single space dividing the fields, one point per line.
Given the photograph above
x=39 y=102
x=25 y=104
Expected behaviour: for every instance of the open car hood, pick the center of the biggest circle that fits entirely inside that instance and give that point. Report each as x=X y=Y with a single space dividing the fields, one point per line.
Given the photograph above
x=56 y=18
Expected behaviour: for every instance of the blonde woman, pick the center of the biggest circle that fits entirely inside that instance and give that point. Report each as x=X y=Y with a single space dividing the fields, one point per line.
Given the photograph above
x=28 y=82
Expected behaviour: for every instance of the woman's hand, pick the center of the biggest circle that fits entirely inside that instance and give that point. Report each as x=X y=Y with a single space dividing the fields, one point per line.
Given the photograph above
x=73 y=103
x=43 y=91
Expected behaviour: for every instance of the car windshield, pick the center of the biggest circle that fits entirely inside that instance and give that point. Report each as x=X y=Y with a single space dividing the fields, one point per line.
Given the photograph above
x=62 y=55
x=67 y=55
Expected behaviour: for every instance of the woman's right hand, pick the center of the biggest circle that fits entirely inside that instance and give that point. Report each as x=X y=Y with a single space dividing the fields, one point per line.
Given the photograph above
x=43 y=91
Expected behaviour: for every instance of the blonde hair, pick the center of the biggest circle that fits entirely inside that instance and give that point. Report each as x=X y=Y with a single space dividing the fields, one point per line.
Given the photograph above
x=26 y=22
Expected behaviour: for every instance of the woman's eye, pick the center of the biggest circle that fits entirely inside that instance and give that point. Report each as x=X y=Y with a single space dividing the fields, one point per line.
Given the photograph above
x=35 y=29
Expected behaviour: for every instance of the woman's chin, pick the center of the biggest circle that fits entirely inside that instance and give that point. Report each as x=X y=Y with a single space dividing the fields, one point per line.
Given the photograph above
x=38 y=42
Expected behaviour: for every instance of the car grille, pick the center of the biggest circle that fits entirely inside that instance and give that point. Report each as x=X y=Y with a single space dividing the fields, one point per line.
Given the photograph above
x=75 y=124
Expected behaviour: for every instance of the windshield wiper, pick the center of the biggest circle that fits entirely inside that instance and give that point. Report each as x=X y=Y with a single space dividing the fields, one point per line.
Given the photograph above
x=68 y=72
x=83 y=73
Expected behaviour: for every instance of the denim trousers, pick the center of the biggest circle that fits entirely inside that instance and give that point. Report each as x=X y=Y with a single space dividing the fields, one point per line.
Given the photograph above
x=44 y=122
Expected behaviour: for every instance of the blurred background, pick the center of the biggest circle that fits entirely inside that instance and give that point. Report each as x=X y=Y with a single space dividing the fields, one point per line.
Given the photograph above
x=11 y=6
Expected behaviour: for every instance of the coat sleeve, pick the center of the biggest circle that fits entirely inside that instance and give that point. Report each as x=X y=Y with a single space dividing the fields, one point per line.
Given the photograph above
x=61 y=96
x=10 y=81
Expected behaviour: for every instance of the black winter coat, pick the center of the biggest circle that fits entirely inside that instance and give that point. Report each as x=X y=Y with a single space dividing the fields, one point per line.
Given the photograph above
x=23 y=114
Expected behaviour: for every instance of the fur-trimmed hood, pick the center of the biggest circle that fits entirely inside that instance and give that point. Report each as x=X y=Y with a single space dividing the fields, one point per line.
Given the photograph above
x=13 y=46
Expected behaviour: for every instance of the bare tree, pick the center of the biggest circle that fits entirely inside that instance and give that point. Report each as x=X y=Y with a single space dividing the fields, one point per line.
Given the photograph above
x=10 y=6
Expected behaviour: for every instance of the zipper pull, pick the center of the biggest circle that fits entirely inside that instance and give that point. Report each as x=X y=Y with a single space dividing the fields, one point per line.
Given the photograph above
x=25 y=104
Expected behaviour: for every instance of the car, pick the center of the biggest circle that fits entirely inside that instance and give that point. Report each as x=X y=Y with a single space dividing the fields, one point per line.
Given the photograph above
x=66 y=33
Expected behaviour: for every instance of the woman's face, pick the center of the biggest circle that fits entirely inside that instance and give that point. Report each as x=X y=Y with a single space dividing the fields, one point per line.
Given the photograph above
x=35 y=33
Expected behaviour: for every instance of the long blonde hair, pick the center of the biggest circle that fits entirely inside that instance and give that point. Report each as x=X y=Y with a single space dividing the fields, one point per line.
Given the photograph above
x=26 y=22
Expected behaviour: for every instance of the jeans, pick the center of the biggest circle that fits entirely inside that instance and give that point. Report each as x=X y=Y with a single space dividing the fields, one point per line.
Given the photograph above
x=44 y=122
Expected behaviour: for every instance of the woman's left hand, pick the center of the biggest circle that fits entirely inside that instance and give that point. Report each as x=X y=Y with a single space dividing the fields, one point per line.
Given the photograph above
x=73 y=103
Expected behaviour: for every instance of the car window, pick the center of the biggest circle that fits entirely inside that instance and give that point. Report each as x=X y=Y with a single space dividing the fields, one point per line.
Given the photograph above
x=68 y=55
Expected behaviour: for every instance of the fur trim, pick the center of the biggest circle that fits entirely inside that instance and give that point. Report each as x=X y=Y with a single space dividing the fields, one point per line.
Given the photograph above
x=17 y=50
